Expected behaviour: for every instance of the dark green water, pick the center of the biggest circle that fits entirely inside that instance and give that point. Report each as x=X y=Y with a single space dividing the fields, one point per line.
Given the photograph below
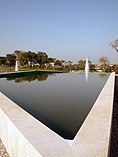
x=60 y=101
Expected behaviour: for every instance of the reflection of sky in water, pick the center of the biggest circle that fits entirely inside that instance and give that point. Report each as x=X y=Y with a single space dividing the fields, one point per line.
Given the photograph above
x=61 y=101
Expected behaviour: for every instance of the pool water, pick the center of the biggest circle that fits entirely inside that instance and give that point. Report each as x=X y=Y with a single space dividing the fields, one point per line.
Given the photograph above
x=61 y=101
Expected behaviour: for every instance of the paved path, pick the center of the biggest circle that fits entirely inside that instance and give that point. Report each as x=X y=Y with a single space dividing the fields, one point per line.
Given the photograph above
x=114 y=130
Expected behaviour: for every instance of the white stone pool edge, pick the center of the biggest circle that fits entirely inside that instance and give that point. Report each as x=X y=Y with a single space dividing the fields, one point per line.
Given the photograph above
x=24 y=136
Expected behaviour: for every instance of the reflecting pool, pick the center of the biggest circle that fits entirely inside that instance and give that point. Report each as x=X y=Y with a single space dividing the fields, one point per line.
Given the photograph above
x=59 y=100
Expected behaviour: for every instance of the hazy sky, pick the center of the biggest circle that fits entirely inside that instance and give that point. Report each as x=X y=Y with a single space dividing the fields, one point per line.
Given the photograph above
x=64 y=29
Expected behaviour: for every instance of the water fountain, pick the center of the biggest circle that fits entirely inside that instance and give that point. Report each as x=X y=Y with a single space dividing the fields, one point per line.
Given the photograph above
x=86 y=69
x=16 y=66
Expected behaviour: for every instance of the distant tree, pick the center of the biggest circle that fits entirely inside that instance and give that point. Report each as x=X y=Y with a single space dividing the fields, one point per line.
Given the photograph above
x=69 y=65
x=11 y=59
x=51 y=60
x=42 y=58
x=3 y=60
x=18 y=53
x=109 y=68
x=114 y=44
x=58 y=63
x=75 y=67
x=92 y=67
x=115 y=68
x=104 y=63
x=81 y=64
x=63 y=61
x=31 y=57
x=24 y=59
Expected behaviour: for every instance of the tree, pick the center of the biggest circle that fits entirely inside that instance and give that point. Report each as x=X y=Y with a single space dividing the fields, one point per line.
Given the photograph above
x=26 y=57
x=51 y=60
x=58 y=63
x=69 y=65
x=92 y=67
x=11 y=59
x=75 y=67
x=42 y=58
x=3 y=60
x=18 y=53
x=114 y=44
x=23 y=58
x=81 y=64
x=104 y=63
x=31 y=57
x=115 y=68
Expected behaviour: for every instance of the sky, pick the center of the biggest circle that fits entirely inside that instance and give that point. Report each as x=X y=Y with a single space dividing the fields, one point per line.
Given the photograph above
x=64 y=29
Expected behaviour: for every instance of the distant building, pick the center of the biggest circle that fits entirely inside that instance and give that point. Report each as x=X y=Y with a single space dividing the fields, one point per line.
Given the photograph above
x=52 y=64
x=97 y=68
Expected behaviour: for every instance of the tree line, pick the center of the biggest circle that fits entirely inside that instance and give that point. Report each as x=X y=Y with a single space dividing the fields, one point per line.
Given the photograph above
x=43 y=61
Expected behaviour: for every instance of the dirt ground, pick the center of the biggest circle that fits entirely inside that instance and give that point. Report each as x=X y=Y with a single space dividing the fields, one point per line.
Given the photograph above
x=3 y=152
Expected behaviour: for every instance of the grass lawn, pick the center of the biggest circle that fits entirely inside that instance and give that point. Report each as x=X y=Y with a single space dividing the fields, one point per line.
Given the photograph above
x=4 y=69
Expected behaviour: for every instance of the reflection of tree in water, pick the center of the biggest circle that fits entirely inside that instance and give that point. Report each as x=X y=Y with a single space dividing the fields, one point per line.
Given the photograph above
x=40 y=77
x=102 y=76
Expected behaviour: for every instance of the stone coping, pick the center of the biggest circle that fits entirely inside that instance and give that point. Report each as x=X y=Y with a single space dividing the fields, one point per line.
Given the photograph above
x=25 y=136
